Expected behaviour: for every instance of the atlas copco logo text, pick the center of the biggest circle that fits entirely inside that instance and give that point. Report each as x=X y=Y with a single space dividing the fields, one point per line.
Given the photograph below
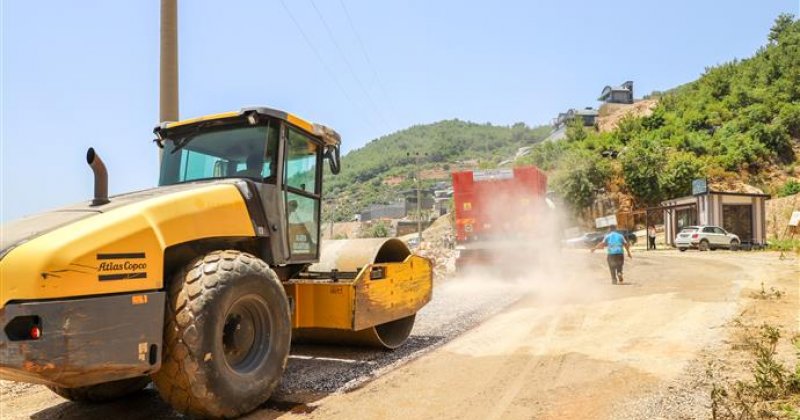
x=124 y=265
x=127 y=266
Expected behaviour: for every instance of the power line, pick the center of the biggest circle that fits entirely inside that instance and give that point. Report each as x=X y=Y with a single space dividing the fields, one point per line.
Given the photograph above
x=366 y=56
x=347 y=63
x=324 y=64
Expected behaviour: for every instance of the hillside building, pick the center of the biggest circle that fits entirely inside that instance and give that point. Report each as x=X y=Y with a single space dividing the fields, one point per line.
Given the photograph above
x=400 y=209
x=588 y=115
x=617 y=94
x=383 y=211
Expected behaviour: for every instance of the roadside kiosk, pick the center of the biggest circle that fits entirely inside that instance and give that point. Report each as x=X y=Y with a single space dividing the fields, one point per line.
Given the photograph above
x=738 y=212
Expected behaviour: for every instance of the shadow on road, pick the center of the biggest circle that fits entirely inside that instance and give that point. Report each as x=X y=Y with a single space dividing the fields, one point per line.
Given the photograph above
x=312 y=373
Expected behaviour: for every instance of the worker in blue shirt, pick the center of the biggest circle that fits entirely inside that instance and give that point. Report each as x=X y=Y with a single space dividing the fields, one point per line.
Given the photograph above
x=616 y=245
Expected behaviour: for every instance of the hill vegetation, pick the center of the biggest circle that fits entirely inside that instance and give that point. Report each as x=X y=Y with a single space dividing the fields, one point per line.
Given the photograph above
x=738 y=121
x=378 y=172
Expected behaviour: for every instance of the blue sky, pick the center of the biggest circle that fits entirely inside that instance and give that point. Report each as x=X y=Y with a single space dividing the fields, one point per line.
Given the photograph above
x=85 y=73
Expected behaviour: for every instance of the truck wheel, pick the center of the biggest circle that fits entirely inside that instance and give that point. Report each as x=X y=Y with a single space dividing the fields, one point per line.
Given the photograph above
x=226 y=338
x=106 y=391
x=703 y=246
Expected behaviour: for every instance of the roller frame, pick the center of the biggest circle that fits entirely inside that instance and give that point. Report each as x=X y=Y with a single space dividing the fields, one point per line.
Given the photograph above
x=362 y=292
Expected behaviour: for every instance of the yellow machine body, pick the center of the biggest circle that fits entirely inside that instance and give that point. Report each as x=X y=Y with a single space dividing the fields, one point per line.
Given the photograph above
x=122 y=249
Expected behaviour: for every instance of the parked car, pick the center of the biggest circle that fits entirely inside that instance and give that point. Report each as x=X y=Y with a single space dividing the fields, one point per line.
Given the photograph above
x=591 y=239
x=706 y=237
x=629 y=236
x=587 y=240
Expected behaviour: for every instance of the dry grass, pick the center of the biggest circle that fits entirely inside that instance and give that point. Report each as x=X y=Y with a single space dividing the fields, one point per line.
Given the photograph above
x=772 y=390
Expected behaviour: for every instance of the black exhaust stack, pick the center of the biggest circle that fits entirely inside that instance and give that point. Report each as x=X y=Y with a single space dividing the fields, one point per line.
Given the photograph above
x=100 y=178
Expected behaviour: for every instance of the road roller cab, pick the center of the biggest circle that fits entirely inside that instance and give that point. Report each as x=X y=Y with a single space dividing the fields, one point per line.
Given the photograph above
x=203 y=282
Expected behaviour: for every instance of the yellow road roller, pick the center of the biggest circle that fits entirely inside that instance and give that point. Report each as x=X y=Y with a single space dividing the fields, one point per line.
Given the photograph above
x=202 y=283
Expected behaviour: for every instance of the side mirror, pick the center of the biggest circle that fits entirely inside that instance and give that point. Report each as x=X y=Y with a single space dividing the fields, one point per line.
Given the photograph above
x=334 y=159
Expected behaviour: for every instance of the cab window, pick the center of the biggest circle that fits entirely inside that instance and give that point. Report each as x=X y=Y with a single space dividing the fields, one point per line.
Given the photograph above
x=301 y=163
x=242 y=152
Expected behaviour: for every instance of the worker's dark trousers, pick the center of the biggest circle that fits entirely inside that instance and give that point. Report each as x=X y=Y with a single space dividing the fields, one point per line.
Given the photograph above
x=651 y=243
x=615 y=263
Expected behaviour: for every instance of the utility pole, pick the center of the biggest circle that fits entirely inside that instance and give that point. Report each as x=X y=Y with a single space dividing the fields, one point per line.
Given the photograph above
x=419 y=197
x=419 y=204
x=168 y=82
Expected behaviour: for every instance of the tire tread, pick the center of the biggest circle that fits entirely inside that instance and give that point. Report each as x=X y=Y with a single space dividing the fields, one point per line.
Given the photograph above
x=181 y=381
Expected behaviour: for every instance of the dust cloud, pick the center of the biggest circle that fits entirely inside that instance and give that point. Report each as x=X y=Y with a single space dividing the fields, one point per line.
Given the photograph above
x=519 y=250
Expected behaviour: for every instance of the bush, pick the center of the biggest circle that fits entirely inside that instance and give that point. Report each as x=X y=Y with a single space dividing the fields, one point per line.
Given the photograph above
x=580 y=176
x=774 y=137
x=676 y=178
x=740 y=152
x=791 y=187
x=641 y=165
x=575 y=130
x=544 y=155
x=628 y=129
x=789 y=119
x=378 y=229
x=655 y=120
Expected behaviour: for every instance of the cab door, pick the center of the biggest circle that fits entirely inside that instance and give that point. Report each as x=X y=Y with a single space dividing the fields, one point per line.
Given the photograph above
x=302 y=189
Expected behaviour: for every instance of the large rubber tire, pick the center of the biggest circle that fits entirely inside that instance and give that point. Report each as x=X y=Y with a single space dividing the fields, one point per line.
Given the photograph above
x=206 y=370
x=735 y=245
x=107 y=391
x=703 y=245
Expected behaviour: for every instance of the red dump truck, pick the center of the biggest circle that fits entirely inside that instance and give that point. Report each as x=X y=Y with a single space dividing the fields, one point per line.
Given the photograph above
x=497 y=213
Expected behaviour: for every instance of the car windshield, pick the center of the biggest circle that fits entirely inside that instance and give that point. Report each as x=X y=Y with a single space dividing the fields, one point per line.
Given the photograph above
x=232 y=152
x=689 y=229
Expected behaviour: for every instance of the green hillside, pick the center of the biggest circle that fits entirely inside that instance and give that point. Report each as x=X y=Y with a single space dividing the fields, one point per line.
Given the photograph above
x=377 y=172
x=740 y=121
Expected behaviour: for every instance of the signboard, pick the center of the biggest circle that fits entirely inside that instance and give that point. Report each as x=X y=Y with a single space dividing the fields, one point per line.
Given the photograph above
x=795 y=219
x=493 y=174
x=699 y=186
x=602 y=222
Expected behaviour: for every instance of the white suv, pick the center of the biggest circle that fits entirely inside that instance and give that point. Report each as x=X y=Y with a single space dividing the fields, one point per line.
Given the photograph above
x=705 y=238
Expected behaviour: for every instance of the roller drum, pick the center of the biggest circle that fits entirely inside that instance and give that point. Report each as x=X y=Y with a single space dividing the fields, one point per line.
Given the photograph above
x=351 y=256
x=390 y=335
